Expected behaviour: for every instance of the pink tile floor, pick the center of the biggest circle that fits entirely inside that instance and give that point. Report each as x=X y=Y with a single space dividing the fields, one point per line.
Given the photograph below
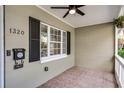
x=77 y=77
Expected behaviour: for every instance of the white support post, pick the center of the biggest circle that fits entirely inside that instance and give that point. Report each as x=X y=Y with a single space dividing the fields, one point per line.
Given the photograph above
x=116 y=40
x=118 y=60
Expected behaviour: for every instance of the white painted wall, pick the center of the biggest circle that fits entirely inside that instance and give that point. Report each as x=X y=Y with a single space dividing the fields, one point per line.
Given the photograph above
x=1 y=49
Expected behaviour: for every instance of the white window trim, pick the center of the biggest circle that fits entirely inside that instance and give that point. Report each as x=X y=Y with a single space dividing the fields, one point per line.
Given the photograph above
x=62 y=42
x=52 y=57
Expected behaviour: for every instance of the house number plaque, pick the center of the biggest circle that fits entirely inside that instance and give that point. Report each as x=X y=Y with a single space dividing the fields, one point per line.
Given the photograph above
x=16 y=31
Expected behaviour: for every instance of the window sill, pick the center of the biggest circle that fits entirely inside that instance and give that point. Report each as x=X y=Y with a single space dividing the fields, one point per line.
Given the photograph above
x=52 y=58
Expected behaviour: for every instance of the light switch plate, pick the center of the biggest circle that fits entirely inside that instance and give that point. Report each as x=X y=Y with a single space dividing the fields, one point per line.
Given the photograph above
x=8 y=52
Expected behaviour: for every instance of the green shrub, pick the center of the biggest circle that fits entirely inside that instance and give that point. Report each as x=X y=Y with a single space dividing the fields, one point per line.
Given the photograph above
x=119 y=22
x=121 y=52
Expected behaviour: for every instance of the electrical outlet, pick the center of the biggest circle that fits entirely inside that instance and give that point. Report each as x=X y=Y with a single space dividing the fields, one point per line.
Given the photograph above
x=46 y=69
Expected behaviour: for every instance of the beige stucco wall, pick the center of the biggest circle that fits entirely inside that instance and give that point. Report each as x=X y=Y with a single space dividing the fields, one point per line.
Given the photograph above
x=32 y=74
x=95 y=47
x=1 y=47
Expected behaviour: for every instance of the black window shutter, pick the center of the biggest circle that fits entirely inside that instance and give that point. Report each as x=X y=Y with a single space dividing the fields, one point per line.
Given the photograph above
x=68 y=43
x=34 y=39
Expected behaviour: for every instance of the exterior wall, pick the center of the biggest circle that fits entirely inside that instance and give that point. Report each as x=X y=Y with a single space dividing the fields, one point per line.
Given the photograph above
x=95 y=47
x=1 y=48
x=32 y=74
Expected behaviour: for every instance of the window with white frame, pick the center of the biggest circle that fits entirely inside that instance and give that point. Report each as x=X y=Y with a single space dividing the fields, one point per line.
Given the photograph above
x=53 y=43
x=44 y=40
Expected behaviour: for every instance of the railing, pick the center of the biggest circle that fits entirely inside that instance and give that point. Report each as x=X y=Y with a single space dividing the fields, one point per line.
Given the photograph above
x=119 y=70
x=119 y=61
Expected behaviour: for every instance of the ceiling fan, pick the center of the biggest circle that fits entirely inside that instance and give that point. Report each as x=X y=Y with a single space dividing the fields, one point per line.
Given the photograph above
x=72 y=9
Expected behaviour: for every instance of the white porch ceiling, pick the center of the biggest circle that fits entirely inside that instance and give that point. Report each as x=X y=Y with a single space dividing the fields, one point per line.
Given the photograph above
x=94 y=14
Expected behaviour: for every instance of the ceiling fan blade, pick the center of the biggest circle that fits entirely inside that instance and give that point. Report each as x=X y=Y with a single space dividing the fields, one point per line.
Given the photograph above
x=78 y=6
x=60 y=7
x=80 y=12
x=71 y=6
x=66 y=14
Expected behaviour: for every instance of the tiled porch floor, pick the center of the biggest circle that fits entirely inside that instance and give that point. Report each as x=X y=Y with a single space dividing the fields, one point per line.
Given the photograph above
x=77 y=77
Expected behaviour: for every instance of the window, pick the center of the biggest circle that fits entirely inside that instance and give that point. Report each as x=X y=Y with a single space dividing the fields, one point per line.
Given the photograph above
x=44 y=40
x=53 y=43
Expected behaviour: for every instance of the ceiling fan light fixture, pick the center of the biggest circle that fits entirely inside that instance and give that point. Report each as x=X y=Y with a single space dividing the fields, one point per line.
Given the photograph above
x=72 y=11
